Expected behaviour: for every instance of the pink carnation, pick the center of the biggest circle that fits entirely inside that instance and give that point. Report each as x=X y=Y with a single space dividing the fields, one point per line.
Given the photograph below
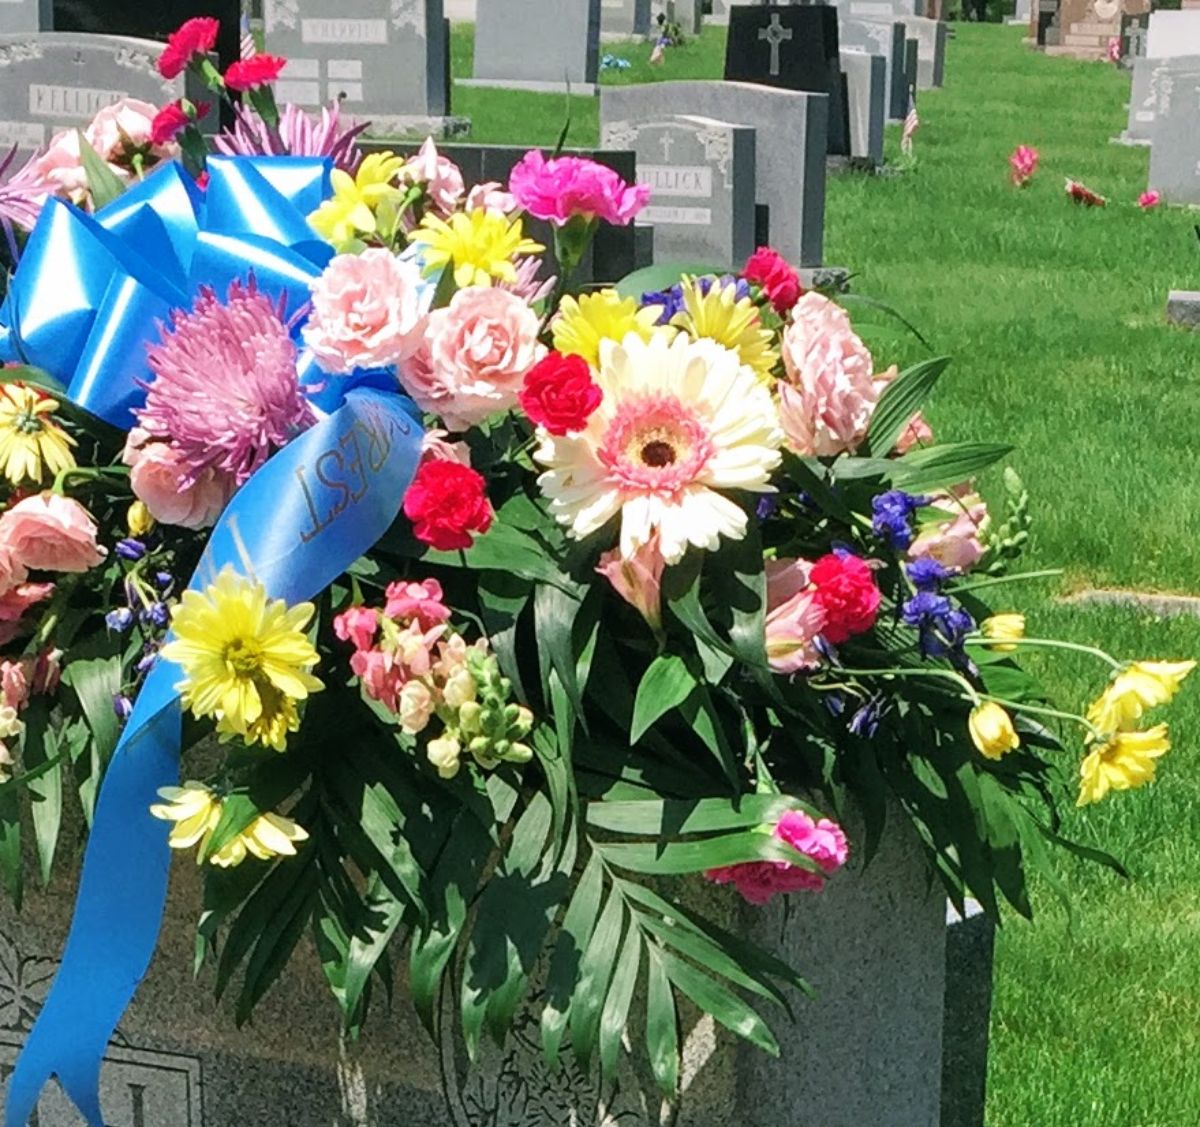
x=821 y=841
x=1148 y=200
x=1023 y=162
x=420 y=602
x=957 y=541
x=49 y=532
x=795 y=618
x=565 y=188
x=14 y=604
x=366 y=311
x=477 y=351
x=830 y=394
x=162 y=481
x=442 y=178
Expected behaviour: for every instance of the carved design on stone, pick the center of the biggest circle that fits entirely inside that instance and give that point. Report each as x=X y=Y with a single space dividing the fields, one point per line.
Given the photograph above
x=407 y=14
x=619 y=135
x=280 y=14
x=20 y=52
x=718 y=150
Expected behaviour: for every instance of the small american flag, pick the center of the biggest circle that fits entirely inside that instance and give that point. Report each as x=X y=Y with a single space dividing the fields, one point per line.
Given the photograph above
x=911 y=124
x=249 y=47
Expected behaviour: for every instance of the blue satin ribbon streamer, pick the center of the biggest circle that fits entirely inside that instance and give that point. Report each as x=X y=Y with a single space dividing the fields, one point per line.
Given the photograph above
x=88 y=297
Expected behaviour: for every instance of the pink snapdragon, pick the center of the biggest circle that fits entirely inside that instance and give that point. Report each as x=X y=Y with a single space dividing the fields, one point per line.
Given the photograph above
x=423 y=602
x=795 y=617
x=567 y=188
x=821 y=841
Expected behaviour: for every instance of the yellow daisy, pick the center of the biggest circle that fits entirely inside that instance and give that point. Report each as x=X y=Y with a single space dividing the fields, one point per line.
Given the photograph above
x=583 y=323
x=269 y=835
x=30 y=441
x=352 y=209
x=713 y=311
x=479 y=245
x=1122 y=762
x=245 y=659
x=1136 y=689
x=195 y=811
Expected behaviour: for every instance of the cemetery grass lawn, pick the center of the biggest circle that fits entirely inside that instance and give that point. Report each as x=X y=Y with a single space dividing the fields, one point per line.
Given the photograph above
x=1054 y=315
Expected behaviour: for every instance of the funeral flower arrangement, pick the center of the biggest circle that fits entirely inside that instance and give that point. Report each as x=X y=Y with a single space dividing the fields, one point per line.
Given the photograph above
x=480 y=607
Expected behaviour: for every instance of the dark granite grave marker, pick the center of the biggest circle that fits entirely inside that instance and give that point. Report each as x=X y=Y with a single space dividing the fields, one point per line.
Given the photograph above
x=150 y=19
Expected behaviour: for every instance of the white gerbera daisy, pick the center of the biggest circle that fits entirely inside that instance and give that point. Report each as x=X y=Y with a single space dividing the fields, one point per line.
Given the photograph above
x=679 y=420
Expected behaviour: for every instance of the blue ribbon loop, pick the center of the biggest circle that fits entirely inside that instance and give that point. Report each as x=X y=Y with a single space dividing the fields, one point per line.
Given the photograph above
x=88 y=297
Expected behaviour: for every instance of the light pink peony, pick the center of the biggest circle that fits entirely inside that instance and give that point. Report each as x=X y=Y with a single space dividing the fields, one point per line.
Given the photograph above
x=566 y=188
x=442 y=178
x=830 y=394
x=157 y=476
x=477 y=351
x=638 y=579
x=955 y=542
x=821 y=841
x=49 y=532
x=14 y=604
x=124 y=123
x=492 y=195
x=366 y=311
x=794 y=617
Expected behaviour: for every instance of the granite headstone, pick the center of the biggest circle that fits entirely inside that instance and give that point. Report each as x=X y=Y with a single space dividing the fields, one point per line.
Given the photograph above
x=931 y=49
x=866 y=83
x=566 y=54
x=150 y=19
x=1175 y=141
x=970 y=955
x=887 y=40
x=789 y=159
x=384 y=60
x=620 y=19
x=1173 y=33
x=19 y=16
x=701 y=175
x=794 y=48
x=1144 y=95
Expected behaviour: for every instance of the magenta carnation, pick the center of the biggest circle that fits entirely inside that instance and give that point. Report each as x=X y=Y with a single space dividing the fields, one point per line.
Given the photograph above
x=225 y=393
x=564 y=188
x=821 y=841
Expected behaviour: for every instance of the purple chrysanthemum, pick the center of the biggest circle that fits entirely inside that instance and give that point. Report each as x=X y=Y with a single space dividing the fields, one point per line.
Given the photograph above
x=298 y=134
x=23 y=193
x=225 y=393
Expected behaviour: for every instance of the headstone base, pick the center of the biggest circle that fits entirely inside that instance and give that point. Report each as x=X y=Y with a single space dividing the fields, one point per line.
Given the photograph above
x=1183 y=308
x=420 y=125
x=585 y=89
x=1125 y=139
x=834 y=278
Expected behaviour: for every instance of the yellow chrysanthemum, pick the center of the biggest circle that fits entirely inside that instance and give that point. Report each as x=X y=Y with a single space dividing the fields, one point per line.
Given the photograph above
x=245 y=659
x=1004 y=629
x=992 y=730
x=720 y=315
x=351 y=211
x=194 y=809
x=1122 y=762
x=582 y=323
x=479 y=245
x=30 y=441
x=1136 y=689
x=269 y=835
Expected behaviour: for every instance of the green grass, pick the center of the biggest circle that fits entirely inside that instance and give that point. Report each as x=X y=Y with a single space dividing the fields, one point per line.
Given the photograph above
x=1054 y=315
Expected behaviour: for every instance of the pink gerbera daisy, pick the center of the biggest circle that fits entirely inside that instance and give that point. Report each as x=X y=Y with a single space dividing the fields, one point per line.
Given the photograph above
x=225 y=393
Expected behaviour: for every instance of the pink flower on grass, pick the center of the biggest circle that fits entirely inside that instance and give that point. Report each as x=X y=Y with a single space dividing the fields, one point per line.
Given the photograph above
x=830 y=394
x=1023 y=162
x=566 y=188
x=1080 y=193
x=477 y=351
x=820 y=841
x=49 y=532
x=225 y=394
x=638 y=579
x=442 y=178
x=795 y=617
x=1149 y=200
x=163 y=482
x=366 y=312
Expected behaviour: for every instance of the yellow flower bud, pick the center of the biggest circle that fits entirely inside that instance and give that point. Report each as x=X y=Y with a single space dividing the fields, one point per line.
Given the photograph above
x=139 y=519
x=1004 y=628
x=992 y=730
x=444 y=754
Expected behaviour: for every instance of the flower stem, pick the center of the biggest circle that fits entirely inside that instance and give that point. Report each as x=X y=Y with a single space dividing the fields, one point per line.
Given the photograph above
x=1046 y=644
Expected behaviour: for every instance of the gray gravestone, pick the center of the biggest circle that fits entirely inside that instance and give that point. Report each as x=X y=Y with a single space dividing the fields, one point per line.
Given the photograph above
x=720 y=12
x=1173 y=33
x=970 y=955
x=701 y=175
x=912 y=52
x=886 y=40
x=931 y=49
x=789 y=163
x=886 y=10
x=619 y=19
x=1144 y=95
x=867 y=95
x=384 y=60
x=566 y=53
x=51 y=81
x=689 y=14
x=19 y=16
x=1175 y=142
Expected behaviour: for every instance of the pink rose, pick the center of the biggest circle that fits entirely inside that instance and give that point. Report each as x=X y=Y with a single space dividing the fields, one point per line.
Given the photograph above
x=124 y=123
x=420 y=601
x=442 y=178
x=48 y=532
x=638 y=579
x=156 y=474
x=830 y=394
x=795 y=619
x=478 y=350
x=493 y=197
x=366 y=311
x=955 y=542
x=14 y=604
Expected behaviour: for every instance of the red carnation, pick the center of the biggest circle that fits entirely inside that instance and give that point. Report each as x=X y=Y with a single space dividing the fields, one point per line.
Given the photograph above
x=259 y=70
x=196 y=36
x=446 y=502
x=1081 y=193
x=172 y=120
x=779 y=280
x=560 y=394
x=846 y=589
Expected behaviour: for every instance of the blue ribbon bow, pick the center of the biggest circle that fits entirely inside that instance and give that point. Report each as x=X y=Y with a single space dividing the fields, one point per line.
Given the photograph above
x=89 y=296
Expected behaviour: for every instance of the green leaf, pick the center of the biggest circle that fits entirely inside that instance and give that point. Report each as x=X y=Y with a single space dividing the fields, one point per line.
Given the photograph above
x=882 y=307
x=673 y=818
x=664 y=686
x=662 y=1025
x=95 y=682
x=591 y=987
x=901 y=399
x=10 y=844
x=382 y=917
x=103 y=183
x=677 y=857
x=662 y=276
x=554 y=614
x=725 y=1006
x=616 y=1006
x=41 y=746
x=941 y=467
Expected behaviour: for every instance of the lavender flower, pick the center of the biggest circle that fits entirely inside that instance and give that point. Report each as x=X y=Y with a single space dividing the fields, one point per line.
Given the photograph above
x=927 y=574
x=130 y=549
x=23 y=192
x=122 y=707
x=119 y=620
x=298 y=134
x=892 y=517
